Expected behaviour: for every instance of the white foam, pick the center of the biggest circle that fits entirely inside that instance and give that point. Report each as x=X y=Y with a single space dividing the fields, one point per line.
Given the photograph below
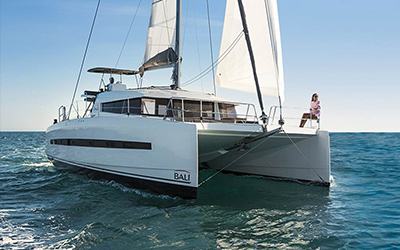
x=332 y=181
x=142 y=193
x=41 y=164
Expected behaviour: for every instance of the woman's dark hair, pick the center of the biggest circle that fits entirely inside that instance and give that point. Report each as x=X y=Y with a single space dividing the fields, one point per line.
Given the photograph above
x=312 y=97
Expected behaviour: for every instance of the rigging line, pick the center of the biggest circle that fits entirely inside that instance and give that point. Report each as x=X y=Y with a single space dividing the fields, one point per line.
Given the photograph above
x=240 y=157
x=76 y=109
x=309 y=163
x=84 y=57
x=197 y=42
x=217 y=62
x=211 y=47
x=127 y=35
x=184 y=29
x=275 y=54
x=88 y=108
x=203 y=73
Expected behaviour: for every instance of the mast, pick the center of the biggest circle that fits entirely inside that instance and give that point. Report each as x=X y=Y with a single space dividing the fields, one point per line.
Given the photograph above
x=253 y=64
x=177 y=68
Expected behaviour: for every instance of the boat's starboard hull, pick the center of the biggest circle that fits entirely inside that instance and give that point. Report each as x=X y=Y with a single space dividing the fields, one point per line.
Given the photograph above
x=303 y=157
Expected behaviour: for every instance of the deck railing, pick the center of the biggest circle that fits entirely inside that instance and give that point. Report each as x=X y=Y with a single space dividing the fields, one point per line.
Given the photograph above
x=293 y=117
x=242 y=112
x=79 y=110
x=176 y=110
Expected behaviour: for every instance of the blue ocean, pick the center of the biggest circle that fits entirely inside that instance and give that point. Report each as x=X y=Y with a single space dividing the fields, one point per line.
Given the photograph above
x=45 y=208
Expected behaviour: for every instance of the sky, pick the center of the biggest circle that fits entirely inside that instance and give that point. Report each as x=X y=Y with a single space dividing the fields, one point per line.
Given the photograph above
x=348 y=51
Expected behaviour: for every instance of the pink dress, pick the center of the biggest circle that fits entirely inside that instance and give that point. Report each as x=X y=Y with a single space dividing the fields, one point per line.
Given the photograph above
x=315 y=108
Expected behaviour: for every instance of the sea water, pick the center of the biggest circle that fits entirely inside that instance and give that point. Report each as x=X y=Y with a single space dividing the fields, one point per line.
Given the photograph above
x=44 y=208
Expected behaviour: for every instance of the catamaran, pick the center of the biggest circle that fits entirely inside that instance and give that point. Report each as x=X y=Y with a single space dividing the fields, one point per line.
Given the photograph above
x=158 y=138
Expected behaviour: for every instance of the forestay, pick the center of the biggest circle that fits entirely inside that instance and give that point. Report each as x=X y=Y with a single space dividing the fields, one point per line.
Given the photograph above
x=234 y=69
x=161 y=36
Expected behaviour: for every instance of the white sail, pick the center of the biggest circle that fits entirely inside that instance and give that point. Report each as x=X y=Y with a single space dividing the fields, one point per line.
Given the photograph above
x=234 y=69
x=161 y=36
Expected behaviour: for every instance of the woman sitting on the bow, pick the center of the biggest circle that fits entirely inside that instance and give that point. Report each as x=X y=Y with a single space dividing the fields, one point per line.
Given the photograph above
x=315 y=111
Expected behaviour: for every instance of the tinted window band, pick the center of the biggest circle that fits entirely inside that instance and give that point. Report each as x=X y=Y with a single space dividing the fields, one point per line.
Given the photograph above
x=102 y=143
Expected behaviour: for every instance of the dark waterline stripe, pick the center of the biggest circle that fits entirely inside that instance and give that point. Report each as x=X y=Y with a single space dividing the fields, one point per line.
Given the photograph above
x=102 y=143
x=105 y=170
x=183 y=191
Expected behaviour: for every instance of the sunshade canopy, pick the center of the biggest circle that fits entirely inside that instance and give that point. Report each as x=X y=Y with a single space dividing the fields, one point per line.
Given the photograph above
x=113 y=71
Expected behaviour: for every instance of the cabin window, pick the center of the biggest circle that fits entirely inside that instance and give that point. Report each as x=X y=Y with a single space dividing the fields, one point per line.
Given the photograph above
x=161 y=107
x=192 y=110
x=117 y=107
x=144 y=106
x=156 y=107
x=177 y=109
x=227 y=111
x=121 y=106
x=208 y=110
x=135 y=106
x=148 y=106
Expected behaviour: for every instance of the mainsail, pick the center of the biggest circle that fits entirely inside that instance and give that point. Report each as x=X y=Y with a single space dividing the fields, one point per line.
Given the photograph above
x=161 y=36
x=234 y=69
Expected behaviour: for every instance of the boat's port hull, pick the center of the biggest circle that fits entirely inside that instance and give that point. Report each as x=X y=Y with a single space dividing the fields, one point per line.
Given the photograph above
x=157 y=155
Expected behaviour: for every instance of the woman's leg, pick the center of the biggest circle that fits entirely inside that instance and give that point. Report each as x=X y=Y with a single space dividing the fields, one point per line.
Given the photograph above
x=304 y=119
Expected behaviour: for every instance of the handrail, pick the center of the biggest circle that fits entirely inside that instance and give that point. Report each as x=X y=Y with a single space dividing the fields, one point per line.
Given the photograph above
x=214 y=114
x=293 y=117
x=205 y=100
x=62 y=116
x=209 y=111
x=238 y=118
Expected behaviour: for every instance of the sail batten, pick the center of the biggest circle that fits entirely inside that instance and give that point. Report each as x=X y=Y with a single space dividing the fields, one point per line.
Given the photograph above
x=160 y=43
x=235 y=71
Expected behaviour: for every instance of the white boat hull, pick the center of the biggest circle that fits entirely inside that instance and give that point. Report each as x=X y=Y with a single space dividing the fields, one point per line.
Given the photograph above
x=295 y=156
x=143 y=150
x=163 y=156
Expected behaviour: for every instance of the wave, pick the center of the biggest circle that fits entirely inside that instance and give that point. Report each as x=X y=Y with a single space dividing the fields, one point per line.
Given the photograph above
x=125 y=189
